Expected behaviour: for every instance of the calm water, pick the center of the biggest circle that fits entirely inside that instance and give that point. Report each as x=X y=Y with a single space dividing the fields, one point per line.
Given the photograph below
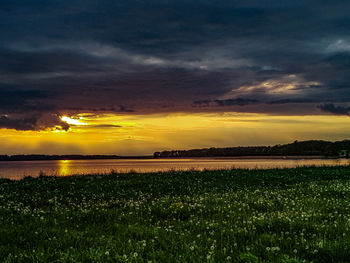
x=18 y=170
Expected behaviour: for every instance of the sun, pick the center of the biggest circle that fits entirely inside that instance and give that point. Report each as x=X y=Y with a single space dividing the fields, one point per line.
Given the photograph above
x=72 y=121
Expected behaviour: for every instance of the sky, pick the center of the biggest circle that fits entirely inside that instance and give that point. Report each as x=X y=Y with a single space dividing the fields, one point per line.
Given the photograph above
x=131 y=77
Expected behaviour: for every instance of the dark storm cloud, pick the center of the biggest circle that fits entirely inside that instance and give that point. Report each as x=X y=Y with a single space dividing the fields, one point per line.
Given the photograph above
x=202 y=103
x=18 y=124
x=14 y=99
x=334 y=109
x=238 y=102
x=59 y=57
x=123 y=108
x=32 y=122
x=286 y=101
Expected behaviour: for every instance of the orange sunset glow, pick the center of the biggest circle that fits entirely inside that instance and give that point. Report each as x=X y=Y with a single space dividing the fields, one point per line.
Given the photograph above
x=144 y=134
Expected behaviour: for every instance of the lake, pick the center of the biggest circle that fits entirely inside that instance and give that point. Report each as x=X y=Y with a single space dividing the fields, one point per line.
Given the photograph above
x=20 y=169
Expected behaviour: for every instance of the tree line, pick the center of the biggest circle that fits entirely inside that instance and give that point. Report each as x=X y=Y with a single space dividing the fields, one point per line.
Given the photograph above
x=303 y=148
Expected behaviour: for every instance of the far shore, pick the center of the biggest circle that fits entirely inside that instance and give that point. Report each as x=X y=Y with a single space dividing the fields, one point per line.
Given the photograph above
x=114 y=157
x=256 y=157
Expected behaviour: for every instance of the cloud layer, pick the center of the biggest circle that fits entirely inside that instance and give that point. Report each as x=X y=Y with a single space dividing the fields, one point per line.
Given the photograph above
x=65 y=57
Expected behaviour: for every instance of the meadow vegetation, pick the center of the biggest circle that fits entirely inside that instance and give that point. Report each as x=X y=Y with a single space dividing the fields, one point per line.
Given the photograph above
x=276 y=215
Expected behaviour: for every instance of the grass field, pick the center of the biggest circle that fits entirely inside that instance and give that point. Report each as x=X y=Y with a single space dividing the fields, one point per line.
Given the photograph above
x=286 y=215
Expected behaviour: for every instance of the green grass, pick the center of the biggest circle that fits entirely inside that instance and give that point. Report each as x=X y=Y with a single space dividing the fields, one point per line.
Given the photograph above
x=286 y=215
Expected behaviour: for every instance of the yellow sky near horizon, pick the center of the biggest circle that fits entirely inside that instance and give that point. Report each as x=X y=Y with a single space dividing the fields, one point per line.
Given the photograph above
x=144 y=134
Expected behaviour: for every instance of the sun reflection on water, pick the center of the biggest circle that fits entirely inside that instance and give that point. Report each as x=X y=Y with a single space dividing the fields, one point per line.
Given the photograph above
x=64 y=167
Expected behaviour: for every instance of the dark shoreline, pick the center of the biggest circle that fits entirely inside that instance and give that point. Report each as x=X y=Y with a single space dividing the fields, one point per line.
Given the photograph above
x=116 y=157
x=40 y=157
